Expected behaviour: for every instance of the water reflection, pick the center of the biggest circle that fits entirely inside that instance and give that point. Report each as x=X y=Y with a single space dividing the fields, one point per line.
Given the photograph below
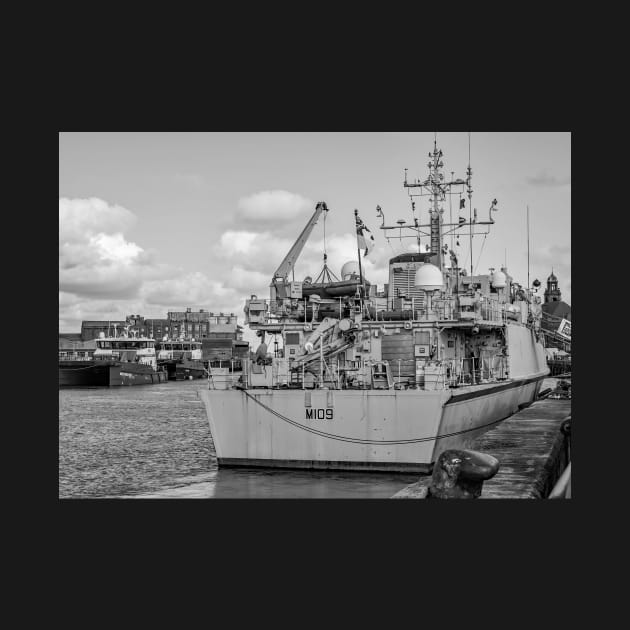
x=249 y=483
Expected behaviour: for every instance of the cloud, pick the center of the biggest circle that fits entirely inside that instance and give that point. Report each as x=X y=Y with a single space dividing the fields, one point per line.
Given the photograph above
x=73 y=310
x=235 y=243
x=95 y=258
x=274 y=205
x=256 y=256
x=280 y=211
x=103 y=275
x=273 y=221
x=185 y=290
x=115 y=248
x=546 y=179
x=80 y=219
x=249 y=280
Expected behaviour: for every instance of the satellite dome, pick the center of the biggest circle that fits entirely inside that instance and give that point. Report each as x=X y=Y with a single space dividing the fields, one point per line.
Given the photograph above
x=428 y=278
x=499 y=280
x=349 y=269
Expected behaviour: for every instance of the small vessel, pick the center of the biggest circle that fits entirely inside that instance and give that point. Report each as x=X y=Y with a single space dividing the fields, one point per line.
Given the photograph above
x=127 y=359
x=383 y=381
x=182 y=358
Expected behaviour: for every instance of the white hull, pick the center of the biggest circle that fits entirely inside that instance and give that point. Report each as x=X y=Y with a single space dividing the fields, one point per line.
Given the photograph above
x=248 y=434
x=388 y=430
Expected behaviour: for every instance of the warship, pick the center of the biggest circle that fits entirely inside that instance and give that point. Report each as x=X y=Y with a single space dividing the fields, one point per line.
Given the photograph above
x=383 y=380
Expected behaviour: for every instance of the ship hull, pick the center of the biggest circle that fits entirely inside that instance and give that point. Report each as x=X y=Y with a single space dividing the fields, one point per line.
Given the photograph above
x=107 y=374
x=183 y=370
x=189 y=370
x=363 y=430
x=380 y=430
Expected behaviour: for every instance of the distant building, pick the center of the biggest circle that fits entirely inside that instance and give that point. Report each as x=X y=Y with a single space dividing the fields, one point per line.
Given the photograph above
x=91 y=329
x=203 y=324
x=552 y=292
x=554 y=310
x=197 y=324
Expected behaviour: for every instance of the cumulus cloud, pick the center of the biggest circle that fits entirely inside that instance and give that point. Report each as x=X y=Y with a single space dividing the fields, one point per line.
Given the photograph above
x=255 y=256
x=95 y=258
x=115 y=248
x=274 y=205
x=80 y=219
x=189 y=288
x=273 y=220
x=546 y=179
x=235 y=243
x=282 y=212
x=74 y=309
x=249 y=280
x=103 y=275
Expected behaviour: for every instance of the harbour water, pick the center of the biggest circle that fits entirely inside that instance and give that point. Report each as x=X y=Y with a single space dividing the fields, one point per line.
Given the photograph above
x=154 y=442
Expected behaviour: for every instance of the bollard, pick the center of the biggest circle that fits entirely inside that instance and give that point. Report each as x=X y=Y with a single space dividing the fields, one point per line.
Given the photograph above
x=459 y=474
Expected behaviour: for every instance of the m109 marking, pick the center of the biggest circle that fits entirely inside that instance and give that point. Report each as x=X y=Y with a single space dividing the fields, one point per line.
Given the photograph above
x=319 y=414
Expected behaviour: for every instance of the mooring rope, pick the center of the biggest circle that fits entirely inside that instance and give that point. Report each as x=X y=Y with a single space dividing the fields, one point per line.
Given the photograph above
x=342 y=438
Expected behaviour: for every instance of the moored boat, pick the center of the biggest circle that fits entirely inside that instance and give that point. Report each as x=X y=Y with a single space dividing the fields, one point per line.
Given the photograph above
x=383 y=381
x=127 y=359
x=182 y=358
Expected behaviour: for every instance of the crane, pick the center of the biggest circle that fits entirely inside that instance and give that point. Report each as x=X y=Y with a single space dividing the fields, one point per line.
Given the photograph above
x=280 y=277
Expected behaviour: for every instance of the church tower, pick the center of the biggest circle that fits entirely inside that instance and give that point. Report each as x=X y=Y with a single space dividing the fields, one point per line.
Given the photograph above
x=552 y=292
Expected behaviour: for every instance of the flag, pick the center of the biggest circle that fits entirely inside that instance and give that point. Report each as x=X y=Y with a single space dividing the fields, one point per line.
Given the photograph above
x=363 y=240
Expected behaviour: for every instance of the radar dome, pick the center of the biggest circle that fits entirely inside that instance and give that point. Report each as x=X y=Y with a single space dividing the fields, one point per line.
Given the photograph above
x=428 y=278
x=499 y=280
x=349 y=269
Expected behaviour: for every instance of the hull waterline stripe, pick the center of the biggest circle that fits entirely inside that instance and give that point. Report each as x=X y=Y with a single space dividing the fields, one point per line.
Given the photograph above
x=456 y=398
x=342 y=438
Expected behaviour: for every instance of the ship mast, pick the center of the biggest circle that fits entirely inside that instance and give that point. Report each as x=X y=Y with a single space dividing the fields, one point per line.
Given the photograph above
x=438 y=194
x=436 y=188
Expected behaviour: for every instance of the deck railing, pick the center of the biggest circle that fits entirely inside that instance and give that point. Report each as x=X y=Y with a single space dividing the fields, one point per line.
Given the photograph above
x=73 y=356
x=283 y=373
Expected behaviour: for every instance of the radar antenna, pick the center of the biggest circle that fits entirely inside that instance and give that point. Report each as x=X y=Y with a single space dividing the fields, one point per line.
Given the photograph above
x=436 y=188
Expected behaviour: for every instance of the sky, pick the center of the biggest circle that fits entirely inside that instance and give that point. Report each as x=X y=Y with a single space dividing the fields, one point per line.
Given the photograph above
x=151 y=222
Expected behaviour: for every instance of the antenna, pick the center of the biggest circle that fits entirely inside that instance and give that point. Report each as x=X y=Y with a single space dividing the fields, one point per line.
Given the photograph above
x=528 y=285
x=436 y=187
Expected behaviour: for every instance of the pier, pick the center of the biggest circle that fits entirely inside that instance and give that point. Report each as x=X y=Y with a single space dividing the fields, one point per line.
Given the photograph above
x=531 y=449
